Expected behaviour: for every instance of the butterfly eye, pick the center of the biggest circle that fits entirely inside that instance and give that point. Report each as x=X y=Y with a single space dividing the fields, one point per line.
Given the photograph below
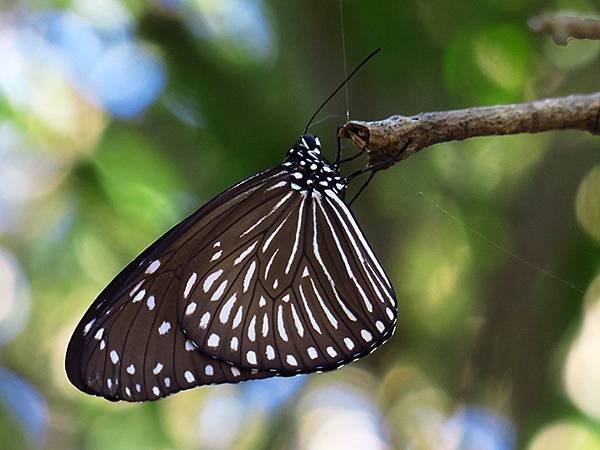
x=272 y=277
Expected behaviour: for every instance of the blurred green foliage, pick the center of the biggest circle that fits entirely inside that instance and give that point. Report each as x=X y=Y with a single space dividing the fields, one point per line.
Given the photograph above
x=481 y=334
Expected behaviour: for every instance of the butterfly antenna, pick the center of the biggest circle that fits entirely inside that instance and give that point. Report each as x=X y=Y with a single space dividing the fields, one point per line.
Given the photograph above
x=342 y=84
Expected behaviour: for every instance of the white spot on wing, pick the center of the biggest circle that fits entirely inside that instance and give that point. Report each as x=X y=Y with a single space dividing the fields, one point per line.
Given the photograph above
x=380 y=326
x=226 y=309
x=270 y=352
x=234 y=343
x=204 y=320
x=238 y=318
x=150 y=303
x=88 y=326
x=208 y=282
x=291 y=360
x=139 y=296
x=313 y=322
x=245 y=253
x=277 y=185
x=164 y=328
x=209 y=371
x=153 y=266
x=216 y=255
x=251 y=356
x=99 y=334
x=249 y=275
x=280 y=324
x=328 y=314
x=389 y=313
x=297 y=238
x=349 y=343
x=114 y=356
x=252 y=329
x=366 y=335
x=269 y=263
x=265 y=325
x=190 y=284
x=157 y=368
x=130 y=369
x=213 y=340
x=189 y=345
x=297 y=321
x=190 y=308
x=312 y=352
x=219 y=292
x=331 y=352
x=135 y=288
x=189 y=376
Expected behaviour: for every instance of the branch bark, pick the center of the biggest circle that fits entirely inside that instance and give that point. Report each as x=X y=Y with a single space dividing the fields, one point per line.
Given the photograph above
x=398 y=137
x=561 y=28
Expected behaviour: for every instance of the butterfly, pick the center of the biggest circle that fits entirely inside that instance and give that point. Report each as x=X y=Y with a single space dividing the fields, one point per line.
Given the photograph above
x=271 y=277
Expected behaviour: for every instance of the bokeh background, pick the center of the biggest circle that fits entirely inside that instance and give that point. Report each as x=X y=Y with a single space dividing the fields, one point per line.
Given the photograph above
x=120 y=117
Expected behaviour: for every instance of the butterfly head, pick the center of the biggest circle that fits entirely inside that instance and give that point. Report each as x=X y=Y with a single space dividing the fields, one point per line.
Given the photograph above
x=309 y=170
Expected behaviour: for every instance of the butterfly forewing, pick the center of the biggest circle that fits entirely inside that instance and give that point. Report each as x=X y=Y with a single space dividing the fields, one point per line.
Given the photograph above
x=129 y=344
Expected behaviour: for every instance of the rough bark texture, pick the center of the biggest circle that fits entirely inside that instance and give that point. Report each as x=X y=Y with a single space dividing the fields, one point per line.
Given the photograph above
x=561 y=28
x=398 y=137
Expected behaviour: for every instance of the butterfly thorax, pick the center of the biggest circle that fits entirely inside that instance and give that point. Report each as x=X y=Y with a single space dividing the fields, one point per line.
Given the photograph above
x=310 y=170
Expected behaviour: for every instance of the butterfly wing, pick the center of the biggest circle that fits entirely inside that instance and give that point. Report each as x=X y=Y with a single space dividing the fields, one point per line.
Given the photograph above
x=293 y=287
x=129 y=344
x=273 y=276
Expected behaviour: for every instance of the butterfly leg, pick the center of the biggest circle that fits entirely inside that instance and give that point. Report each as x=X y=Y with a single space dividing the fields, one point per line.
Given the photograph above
x=372 y=168
x=351 y=158
x=369 y=168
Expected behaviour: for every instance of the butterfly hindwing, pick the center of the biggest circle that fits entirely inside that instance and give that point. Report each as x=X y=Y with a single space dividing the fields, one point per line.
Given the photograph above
x=293 y=286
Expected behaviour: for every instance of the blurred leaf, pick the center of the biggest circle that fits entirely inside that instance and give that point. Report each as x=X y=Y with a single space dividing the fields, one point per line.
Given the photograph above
x=587 y=203
x=141 y=183
x=565 y=434
x=124 y=427
x=488 y=66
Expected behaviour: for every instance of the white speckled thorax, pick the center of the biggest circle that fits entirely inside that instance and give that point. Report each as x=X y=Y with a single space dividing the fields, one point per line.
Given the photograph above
x=310 y=170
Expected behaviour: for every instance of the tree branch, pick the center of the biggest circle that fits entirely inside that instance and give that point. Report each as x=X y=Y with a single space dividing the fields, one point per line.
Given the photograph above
x=398 y=137
x=563 y=27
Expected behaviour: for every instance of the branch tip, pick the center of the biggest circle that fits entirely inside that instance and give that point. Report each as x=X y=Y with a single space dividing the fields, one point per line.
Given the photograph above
x=399 y=137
